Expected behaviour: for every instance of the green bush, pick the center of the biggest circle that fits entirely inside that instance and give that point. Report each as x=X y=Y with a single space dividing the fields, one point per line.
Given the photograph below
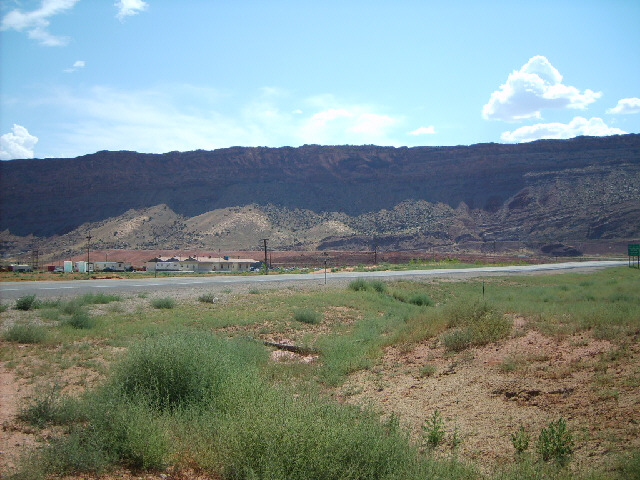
x=457 y=339
x=80 y=320
x=98 y=299
x=362 y=285
x=167 y=303
x=207 y=298
x=473 y=323
x=433 y=429
x=72 y=307
x=520 y=440
x=26 y=333
x=28 y=302
x=420 y=299
x=555 y=442
x=49 y=407
x=176 y=371
x=307 y=316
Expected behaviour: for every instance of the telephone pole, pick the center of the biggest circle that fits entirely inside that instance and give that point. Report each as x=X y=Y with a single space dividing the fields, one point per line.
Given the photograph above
x=266 y=264
x=88 y=237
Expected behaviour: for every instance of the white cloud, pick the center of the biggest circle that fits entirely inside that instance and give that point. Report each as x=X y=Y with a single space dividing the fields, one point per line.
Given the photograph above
x=36 y=22
x=127 y=8
x=185 y=117
x=578 y=126
x=430 y=130
x=77 y=65
x=626 y=106
x=537 y=85
x=17 y=144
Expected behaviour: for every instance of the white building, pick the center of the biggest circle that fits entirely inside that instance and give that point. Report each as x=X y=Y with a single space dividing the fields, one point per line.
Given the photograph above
x=202 y=265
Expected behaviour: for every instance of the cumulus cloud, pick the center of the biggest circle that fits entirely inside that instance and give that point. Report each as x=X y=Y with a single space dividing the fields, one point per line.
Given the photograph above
x=36 y=22
x=77 y=65
x=128 y=8
x=626 y=106
x=536 y=86
x=18 y=143
x=430 y=130
x=578 y=126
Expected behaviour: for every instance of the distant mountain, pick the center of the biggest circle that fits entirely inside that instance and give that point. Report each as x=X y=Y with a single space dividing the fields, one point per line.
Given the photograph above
x=586 y=188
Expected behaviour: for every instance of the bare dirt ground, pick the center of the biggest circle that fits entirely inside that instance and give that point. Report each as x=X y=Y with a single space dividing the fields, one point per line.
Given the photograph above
x=486 y=393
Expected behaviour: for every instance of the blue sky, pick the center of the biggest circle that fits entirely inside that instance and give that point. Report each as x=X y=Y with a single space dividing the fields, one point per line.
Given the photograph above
x=79 y=76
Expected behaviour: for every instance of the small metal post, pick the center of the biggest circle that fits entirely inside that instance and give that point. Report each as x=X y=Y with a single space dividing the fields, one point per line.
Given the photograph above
x=325 y=271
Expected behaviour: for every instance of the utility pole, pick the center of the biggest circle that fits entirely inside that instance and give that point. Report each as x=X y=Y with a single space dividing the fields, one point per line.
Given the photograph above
x=266 y=265
x=88 y=244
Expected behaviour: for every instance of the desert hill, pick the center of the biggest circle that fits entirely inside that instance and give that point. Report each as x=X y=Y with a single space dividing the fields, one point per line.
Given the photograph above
x=319 y=197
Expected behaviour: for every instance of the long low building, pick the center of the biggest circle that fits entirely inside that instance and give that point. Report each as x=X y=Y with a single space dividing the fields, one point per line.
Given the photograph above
x=201 y=265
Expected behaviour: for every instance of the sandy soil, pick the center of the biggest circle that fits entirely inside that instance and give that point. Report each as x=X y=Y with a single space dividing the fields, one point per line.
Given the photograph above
x=486 y=404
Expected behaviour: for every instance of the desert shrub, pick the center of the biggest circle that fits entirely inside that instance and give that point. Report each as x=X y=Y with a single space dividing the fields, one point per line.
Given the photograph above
x=420 y=299
x=49 y=407
x=166 y=303
x=206 y=298
x=520 y=440
x=26 y=333
x=473 y=323
x=307 y=316
x=175 y=371
x=555 y=442
x=80 y=319
x=457 y=339
x=28 y=302
x=72 y=306
x=428 y=370
x=3 y=307
x=98 y=299
x=362 y=285
x=358 y=285
x=307 y=437
x=433 y=429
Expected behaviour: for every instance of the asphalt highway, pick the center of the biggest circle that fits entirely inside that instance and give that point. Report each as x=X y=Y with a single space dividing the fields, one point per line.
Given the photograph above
x=14 y=290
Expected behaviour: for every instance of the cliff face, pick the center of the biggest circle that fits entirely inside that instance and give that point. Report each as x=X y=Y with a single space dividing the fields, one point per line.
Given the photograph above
x=591 y=181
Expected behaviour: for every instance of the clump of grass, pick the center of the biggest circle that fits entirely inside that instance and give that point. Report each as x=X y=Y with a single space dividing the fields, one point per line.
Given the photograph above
x=165 y=302
x=362 y=285
x=26 y=333
x=28 y=302
x=307 y=315
x=3 y=307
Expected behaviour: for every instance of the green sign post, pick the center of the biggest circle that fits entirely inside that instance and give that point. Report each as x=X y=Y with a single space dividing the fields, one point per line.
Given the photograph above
x=634 y=252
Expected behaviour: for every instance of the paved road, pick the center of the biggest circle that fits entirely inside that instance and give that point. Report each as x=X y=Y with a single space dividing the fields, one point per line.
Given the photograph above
x=14 y=290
